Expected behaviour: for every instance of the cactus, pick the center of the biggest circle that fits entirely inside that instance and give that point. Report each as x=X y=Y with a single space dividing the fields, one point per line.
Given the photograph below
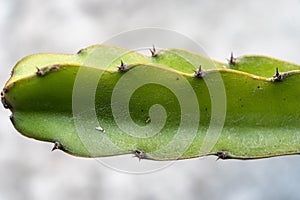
x=103 y=101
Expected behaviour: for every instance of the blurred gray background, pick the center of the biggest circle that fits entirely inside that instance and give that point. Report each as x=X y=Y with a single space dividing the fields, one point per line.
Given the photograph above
x=29 y=170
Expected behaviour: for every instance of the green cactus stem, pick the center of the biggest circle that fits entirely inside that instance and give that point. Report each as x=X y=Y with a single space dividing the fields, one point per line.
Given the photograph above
x=158 y=107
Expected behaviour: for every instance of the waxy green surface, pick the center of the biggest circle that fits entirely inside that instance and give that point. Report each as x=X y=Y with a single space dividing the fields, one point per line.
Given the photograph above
x=261 y=114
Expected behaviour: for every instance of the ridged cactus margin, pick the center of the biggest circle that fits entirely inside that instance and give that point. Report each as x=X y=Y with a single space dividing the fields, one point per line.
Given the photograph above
x=168 y=116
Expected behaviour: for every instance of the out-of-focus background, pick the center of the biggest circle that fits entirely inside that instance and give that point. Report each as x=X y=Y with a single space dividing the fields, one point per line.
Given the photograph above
x=29 y=170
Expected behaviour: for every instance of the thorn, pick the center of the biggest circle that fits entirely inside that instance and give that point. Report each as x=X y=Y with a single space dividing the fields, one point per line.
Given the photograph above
x=232 y=60
x=12 y=119
x=39 y=72
x=80 y=51
x=12 y=72
x=99 y=128
x=5 y=104
x=199 y=73
x=278 y=76
x=44 y=71
x=57 y=145
x=122 y=67
x=148 y=120
x=153 y=51
x=54 y=68
x=139 y=154
x=3 y=92
x=222 y=155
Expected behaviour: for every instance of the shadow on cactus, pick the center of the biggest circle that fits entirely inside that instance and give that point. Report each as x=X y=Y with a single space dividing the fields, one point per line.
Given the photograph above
x=106 y=101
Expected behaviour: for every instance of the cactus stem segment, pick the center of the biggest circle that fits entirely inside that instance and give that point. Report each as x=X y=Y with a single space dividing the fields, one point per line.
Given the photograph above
x=222 y=155
x=123 y=67
x=57 y=145
x=236 y=95
x=232 y=60
x=199 y=73
x=139 y=154
x=153 y=51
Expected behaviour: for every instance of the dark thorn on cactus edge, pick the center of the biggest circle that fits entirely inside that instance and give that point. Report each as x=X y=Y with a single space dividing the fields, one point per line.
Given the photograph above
x=139 y=154
x=4 y=91
x=278 y=76
x=153 y=51
x=57 y=145
x=54 y=68
x=122 y=67
x=40 y=72
x=5 y=104
x=232 y=60
x=199 y=73
x=79 y=52
x=12 y=119
x=44 y=71
x=222 y=155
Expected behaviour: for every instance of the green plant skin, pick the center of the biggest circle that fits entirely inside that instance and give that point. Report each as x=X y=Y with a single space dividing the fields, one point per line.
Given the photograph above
x=96 y=56
x=262 y=65
x=262 y=116
x=109 y=57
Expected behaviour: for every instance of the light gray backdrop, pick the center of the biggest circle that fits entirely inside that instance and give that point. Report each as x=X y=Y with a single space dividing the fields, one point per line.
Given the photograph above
x=28 y=170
